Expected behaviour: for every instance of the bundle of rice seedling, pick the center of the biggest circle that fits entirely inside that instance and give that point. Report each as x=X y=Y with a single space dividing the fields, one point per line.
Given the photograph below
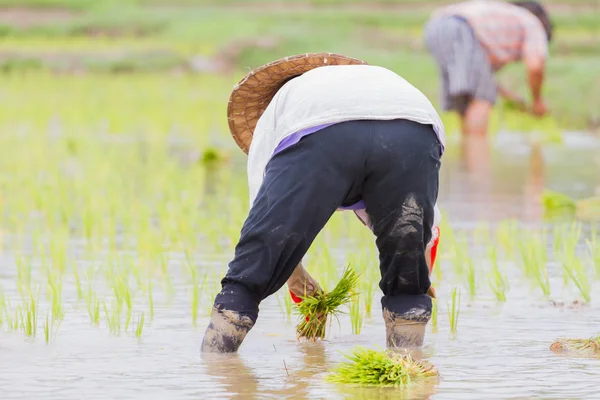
x=316 y=309
x=582 y=347
x=556 y=204
x=382 y=368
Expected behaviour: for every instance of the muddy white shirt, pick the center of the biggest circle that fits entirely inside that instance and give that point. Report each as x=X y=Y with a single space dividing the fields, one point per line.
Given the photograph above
x=333 y=94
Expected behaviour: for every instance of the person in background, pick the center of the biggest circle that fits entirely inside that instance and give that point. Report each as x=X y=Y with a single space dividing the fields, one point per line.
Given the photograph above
x=325 y=132
x=472 y=40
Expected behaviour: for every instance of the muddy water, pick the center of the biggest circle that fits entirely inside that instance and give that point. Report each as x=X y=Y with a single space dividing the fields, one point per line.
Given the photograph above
x=500 y=351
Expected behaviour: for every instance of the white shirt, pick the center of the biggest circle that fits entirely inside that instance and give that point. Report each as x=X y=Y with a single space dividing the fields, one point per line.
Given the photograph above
x=333 y=94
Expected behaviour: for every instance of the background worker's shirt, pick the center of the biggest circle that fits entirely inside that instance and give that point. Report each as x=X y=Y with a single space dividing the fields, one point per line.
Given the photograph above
x=507 y=32
x=329 y=95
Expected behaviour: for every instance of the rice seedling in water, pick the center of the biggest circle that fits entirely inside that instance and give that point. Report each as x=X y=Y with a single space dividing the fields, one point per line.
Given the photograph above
x=286 y=304
x=497 y=280
x=195 y=294
x=471 y=278
x=11 y=317
x=150 y=299
x=382 y=368
x=534 y=259
x=593 y=245
x=434 y=316
x=47 y=329
x=356 y=315
x=139 y=327
x=558 y=204
x=315 y=310
x=93 y=306
x=582 y=347
x=578 y=274
x=454 y=310
x=505 y=236
x=565 y=245
x=113 y=317
x=50 y=328
x=30 y=316
x=55 y=292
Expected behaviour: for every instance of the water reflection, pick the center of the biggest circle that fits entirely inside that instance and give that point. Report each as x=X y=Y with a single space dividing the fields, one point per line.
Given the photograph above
x=300 y=378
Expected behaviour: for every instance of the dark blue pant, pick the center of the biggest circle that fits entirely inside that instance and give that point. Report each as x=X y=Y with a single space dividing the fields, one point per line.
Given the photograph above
x=392 y=165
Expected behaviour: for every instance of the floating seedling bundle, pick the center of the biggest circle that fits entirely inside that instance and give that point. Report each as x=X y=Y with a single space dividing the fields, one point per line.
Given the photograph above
x=558 y=204
x=316 y=310
x=382 y=368
x=582 y=347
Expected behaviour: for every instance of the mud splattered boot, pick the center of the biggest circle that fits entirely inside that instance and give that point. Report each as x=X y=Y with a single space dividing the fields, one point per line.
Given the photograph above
x=226 y=331
x=406 y=329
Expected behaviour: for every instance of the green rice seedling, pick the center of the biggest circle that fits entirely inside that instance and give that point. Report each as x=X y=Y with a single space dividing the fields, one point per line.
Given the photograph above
x=462 y=260
x=356 y=315
x=581 y=347
x=113 y=317
x=139 y=327
x=47 y=329
x=55 y=293
x=150 y=300
x=497 y=281
x=23 y=273
x=434 y=316
x=454 y=310
x=506 y=235
x=289 y=304
x=368 y=367
x=471 y=278
x=534 y=261
x=559 y=204
x=593 y=245
x=10 y=317
x=93 y=306
x=30 y=316
x=195 y=303
x=315 y=310
x=566 y=248
x=78 y=285
x=286 y=304
x=578 y=274
x=555 y=203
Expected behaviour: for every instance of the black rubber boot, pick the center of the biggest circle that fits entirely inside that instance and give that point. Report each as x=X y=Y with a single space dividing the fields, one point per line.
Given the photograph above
x=226 y=331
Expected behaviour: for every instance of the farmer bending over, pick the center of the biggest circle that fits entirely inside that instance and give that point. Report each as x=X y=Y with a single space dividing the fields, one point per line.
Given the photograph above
x=474 y=39
x=339 y=135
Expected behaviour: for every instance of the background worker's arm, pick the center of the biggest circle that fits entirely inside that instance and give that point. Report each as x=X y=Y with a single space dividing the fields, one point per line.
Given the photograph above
x=534 y=55
x=535 y=74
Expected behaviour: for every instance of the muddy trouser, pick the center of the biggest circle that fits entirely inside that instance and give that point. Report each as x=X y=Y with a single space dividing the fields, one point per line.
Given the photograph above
x=391 y=165
x=465 y=69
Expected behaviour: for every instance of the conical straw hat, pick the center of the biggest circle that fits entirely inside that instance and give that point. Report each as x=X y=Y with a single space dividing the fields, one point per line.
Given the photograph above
x=252 y=95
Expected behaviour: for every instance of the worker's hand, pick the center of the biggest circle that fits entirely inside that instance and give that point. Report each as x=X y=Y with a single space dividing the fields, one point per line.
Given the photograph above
x=302 y=284
x=539 y=108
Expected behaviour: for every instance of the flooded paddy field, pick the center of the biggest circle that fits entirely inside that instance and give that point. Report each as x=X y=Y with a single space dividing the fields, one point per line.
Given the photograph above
x=110 y=263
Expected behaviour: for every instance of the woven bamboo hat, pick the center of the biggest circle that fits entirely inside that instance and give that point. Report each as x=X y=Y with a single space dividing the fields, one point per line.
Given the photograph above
x=252 y=95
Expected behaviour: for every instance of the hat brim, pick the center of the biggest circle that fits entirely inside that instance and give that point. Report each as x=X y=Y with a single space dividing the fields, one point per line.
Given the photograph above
x=251 y=96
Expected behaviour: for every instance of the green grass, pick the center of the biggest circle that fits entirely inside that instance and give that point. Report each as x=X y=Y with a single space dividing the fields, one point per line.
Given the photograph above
x=367 y=367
